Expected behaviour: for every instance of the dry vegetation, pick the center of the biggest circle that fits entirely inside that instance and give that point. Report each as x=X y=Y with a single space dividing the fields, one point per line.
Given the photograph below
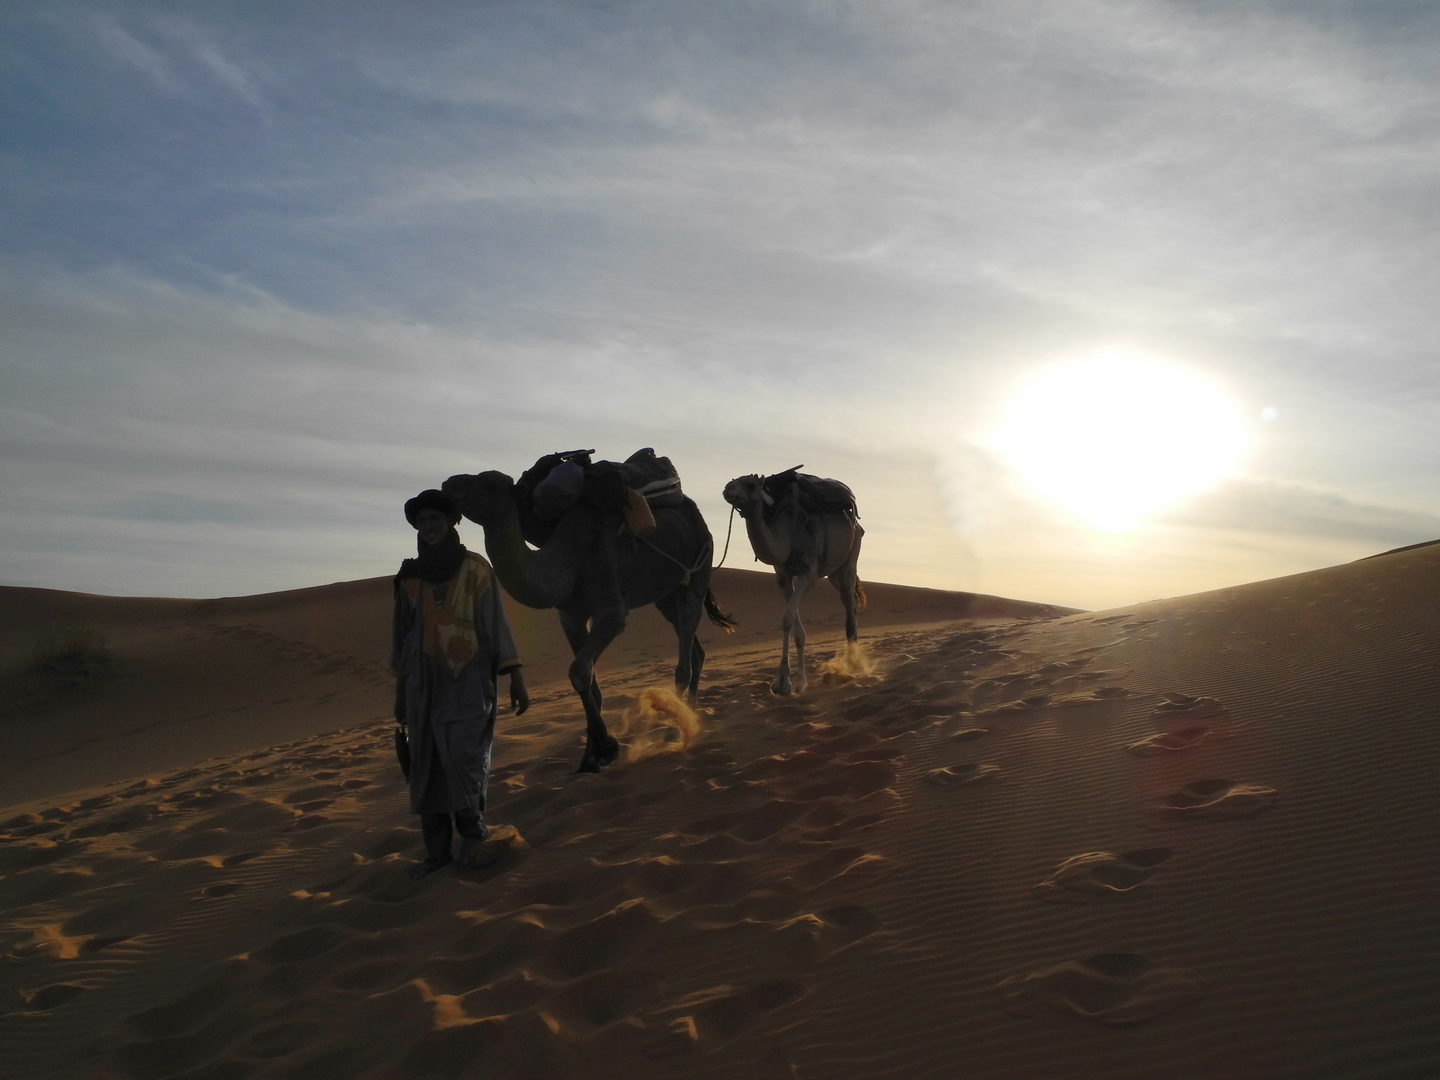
x=74 y=656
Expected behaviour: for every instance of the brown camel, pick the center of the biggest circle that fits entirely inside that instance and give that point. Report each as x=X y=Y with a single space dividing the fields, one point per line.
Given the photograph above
x=803 y=546
x=594 y=578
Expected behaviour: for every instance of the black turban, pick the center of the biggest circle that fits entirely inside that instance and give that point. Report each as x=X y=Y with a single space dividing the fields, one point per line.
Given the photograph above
x=432 y=499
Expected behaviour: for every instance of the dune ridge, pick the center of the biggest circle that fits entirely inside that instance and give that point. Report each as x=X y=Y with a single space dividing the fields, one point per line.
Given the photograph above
x=1191 y=838
x=196 y=678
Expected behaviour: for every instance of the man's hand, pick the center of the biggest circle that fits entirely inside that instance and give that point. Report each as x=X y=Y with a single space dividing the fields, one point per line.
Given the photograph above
x=519 y=696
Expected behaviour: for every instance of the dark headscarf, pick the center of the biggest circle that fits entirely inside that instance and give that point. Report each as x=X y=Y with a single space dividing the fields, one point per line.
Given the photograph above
x=432 y=499
x=435 y=563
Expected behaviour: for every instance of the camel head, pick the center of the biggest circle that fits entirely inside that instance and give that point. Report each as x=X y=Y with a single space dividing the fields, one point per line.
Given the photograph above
x=746 y=494
x=481 y=497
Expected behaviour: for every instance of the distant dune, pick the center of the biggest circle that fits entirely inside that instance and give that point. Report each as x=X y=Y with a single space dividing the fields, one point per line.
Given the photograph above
x=198 y=678
x=1194 y=838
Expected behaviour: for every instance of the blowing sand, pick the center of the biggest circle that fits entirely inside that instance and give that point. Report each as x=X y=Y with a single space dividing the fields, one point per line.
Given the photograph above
x=1191 y=838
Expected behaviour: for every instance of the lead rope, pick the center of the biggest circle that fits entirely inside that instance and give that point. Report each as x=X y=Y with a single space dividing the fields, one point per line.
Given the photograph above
x=705 y=553
x=728 y=529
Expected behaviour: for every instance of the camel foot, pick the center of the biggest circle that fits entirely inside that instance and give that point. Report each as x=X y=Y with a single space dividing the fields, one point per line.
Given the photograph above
x=599 y=753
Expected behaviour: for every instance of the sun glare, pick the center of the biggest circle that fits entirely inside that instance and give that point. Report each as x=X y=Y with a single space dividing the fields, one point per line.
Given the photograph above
x=1114 y=438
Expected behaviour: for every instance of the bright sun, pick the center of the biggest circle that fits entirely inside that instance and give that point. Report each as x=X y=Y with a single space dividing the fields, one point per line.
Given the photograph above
x=1115 y=437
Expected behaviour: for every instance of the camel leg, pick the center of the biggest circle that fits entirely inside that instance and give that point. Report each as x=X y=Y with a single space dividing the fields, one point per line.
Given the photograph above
x=682 y=610
x=600 y=746
x=845 y=581
x=795 y=589
x=798 y=630
x=576 y=629
x=781 y=685
x=697 y=661
x=587 y=642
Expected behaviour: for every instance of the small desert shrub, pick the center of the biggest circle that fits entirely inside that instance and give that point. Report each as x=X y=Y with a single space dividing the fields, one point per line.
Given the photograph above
x=75 y=655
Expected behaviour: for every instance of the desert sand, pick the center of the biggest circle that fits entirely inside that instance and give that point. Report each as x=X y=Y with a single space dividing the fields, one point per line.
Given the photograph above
x=1190 y=838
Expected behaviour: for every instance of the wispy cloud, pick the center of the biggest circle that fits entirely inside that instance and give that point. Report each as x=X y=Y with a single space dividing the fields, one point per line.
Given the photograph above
x=311 y=257
x=130 y=50
x=1305 y=510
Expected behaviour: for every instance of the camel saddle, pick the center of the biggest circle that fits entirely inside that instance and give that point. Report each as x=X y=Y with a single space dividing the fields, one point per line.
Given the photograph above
x=558 y=482
x=653 y=477
x=815 y=494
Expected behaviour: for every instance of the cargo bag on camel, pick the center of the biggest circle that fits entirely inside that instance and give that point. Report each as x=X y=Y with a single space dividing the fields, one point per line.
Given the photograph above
x=812 y=494
x=595 y=539
x=634 y=488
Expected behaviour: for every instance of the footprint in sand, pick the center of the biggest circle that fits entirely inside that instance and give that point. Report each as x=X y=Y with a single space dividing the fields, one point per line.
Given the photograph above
x=401 y=838
x=1217 y=798
x=100 y=943
x=47 y=940
x=45 y=998
x=819 y=935
x=851 y=862
x=225 y=862
x=718 y=1015
x=961 y=775
x=302 y=945
x=1178 y=704
x=1098 y=875
x=601 y=943
x=853 y=780
x=827 y=822
x=323 y=794
x=1114 y=989
x=946 y=690
x=1025 y=704
x=1106 y=693
x=588 y=1005
x=1177 y=738
x=184 y=1015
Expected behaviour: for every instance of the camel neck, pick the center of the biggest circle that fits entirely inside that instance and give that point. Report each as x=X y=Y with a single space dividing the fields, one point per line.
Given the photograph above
x=539 y=579
x=766 y=541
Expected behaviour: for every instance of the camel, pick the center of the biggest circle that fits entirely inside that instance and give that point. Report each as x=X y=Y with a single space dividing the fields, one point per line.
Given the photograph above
x=593 y=578
x=803 y=547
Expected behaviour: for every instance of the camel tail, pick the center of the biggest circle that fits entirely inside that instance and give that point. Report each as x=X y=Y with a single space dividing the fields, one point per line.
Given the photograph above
x=718 y=617
x=860 y=601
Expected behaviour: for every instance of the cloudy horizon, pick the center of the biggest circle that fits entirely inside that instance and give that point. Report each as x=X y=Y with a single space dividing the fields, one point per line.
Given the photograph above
x=266 y=270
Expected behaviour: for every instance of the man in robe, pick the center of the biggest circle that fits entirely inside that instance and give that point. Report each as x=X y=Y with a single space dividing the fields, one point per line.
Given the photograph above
x=450 y=643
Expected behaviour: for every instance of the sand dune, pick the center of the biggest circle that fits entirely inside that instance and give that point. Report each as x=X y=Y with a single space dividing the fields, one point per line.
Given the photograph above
x=1192 y=838
x=199 y=678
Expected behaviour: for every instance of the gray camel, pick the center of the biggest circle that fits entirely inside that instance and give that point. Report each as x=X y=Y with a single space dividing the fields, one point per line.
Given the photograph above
x=803 y=546
x=593 y=579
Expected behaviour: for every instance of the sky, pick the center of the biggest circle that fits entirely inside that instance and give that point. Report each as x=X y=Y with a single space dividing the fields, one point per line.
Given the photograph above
x=268 y=269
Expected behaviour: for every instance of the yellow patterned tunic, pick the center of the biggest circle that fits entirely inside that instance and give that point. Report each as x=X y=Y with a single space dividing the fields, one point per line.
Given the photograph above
x=450 y=642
